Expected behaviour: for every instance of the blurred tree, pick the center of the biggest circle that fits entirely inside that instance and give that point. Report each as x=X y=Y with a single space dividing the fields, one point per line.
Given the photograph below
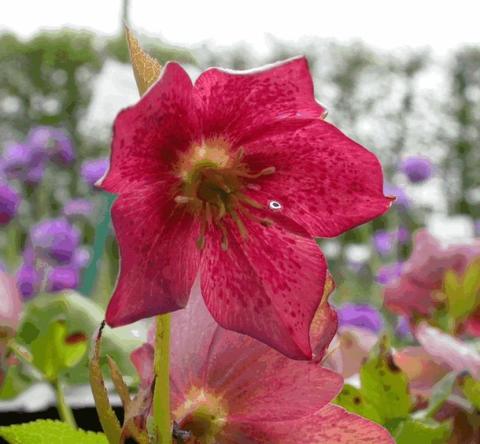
x=46 y=80
x=464 y=157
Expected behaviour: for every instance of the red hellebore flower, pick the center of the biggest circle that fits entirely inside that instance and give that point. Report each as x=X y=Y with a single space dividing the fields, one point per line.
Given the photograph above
x=417 y=293
x=228 y=388
x=230 y=179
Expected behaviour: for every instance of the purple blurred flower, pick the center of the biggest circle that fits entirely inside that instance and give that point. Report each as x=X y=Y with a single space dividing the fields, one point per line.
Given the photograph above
x=63 y=278
x=35 y=175
x=23 y=162
x=29 y=280
x=55 y=239
x=360 y=315
x=383 y=242
x=81 y=257
x=54 y=142
x=78 y=208
x=416 y=168
x=388 y=273
x=402 y=329
x=403 y=235
x=9 y=201
x=93 y=169
x=402 y=202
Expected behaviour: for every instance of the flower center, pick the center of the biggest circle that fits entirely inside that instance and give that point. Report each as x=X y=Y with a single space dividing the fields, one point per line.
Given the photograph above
x=213 y=183
x=203 y=415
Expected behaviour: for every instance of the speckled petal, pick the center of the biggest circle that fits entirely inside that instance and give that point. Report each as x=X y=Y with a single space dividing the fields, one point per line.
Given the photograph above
x=330 y=425
x=149 y=135
x=159 y=257
x=323 y=180
x=241 y=105
x=192 y=332
x=255 y=381
x=267 y=286
x=260 y=384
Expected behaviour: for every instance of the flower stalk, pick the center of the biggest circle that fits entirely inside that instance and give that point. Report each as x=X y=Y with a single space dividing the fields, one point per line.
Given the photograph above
x=161 y=394
x=64 y=410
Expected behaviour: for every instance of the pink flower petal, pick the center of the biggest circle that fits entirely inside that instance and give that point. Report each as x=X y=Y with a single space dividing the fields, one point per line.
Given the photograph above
x=159 y=258
x=142 y=358
x=256 y=382
x=330 y=425
x=267 y=286
x=422 y=370
x=349 y=350
x=324 y=181
x=447 y=350
x=242 y=105
x=260 y=384
x=10 y=304
x=149 y=135
x=192 y=332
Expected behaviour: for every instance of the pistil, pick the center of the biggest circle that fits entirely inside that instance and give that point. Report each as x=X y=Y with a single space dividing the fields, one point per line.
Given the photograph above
x=213 y=183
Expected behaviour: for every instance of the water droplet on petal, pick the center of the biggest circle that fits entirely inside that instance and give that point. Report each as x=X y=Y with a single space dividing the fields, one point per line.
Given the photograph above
x=275 y=205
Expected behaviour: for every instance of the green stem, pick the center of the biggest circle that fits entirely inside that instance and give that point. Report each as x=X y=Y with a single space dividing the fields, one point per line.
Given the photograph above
x=161 y=394
x=63 y=408
x=102 y=230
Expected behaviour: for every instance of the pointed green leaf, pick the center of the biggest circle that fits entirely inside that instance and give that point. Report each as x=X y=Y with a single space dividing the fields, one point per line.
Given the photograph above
x=440 y=393
x=471 y=280
x=471 y=390
x=351 y=399
x=462 y=292
x=49 y=432
x=384 y=385
x=457 y=306
x=412 y=431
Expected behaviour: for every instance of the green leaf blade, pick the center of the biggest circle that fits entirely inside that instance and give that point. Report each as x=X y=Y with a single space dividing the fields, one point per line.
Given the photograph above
x=384 y=385
x=49 y=432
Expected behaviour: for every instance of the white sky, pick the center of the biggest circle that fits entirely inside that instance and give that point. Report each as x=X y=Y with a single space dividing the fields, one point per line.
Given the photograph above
x=384 y=23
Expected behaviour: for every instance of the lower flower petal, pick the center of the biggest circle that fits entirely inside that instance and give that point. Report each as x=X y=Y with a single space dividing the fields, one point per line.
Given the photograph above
x=255 y=382
x=193 y=331
x=159 y=258
x=330 y=425
x=323 y=180
x=267 y=286
x=267 y=386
